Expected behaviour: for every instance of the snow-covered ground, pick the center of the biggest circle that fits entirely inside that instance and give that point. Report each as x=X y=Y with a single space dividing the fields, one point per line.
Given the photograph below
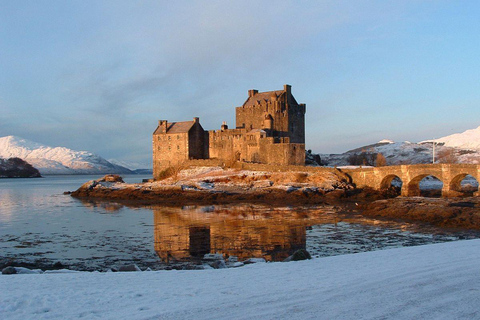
x=440 y=281
x=56 y=160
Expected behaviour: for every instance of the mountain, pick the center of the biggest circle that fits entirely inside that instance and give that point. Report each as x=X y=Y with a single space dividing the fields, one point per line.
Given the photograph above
x=457 y=148
x=139 y=168
x=467 y=140
x=56 y=160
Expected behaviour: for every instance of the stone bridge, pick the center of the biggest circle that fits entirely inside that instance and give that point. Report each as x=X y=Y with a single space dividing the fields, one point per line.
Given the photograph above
x=380 y=178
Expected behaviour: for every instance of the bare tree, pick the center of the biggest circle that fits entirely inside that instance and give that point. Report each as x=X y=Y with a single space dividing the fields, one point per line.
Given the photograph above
x=380 y=161
x=447 y=156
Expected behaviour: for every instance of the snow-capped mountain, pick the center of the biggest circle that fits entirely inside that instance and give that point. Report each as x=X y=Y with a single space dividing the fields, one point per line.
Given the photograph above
x=467 y=140
x=56 y=160
x=459 y=148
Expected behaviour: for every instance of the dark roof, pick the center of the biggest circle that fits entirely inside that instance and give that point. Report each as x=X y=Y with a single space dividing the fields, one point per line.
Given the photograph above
x=262 y=96
x=179 y=127
x=176 y=127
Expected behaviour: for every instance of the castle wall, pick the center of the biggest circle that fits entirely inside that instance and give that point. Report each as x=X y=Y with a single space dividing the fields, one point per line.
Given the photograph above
x=196 y=142
x=169 y=150
x=226 y=144
x=283 y=153
x=296 y=119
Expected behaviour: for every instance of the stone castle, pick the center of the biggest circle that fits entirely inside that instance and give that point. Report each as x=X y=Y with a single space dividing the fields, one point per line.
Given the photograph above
x=270 y=129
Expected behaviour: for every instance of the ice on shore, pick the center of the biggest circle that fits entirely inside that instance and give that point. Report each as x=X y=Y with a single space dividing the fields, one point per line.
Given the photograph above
x=439 y=281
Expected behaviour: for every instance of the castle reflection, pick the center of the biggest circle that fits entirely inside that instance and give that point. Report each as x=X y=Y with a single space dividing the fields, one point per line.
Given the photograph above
x=242 y=231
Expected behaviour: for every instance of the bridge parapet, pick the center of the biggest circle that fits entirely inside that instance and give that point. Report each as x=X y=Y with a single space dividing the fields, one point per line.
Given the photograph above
x=380 y=178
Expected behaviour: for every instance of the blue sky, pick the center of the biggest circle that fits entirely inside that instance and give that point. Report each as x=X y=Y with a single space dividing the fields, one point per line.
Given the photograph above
x=97 y=75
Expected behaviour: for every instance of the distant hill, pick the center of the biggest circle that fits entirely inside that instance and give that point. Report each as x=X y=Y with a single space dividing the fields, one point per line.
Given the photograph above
x=17 y=168
x=457 y=148
x=138 y=168
x=56 y=160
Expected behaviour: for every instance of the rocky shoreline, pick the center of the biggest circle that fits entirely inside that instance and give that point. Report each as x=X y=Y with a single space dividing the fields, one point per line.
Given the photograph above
x=205 y=186
x=461 y=213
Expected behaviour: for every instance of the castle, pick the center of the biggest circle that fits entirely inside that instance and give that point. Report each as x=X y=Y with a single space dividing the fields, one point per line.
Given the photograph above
x=270 y=129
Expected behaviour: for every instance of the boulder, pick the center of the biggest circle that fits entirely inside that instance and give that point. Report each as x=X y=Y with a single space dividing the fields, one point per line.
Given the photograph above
x=9 y=270
x=213 y=256
x=129 y=267
x=218 y=264
x=262 y=184
x=111 y=178
x=301 y=254
x=254 y=260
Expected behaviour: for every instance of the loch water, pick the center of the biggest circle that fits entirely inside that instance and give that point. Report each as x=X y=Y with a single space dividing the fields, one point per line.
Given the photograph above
x=39 y=225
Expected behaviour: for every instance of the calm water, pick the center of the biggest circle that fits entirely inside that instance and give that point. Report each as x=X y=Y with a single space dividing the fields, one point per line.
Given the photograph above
x=38 y=224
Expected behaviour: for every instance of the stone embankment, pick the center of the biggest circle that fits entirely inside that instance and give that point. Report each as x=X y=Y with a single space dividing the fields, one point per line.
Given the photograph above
x=211 y=185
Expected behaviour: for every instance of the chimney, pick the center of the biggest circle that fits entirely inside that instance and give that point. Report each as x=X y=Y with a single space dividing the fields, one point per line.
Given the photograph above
x=287 y=88
x=163 y=124
x=224 y=126
x=252 y=92
x=196 y=119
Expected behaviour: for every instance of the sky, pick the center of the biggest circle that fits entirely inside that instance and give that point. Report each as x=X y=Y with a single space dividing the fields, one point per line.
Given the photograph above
x=98 y=75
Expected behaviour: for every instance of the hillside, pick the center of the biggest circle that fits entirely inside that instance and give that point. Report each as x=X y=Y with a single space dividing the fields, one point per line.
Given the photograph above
x=17 y=168
x=457 y=148
x=56 y=160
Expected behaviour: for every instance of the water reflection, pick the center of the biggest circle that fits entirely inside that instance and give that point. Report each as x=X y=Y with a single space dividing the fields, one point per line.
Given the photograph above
x=188 y=234
x=38 y=224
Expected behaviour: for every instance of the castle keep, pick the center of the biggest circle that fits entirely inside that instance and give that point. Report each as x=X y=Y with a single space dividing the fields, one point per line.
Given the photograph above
x=270 y=129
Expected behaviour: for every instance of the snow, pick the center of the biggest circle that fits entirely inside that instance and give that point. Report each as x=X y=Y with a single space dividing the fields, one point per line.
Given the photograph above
x=464 y=146
x=440 y=281
x=467 y=140
x=386 y=141
x=56 y=160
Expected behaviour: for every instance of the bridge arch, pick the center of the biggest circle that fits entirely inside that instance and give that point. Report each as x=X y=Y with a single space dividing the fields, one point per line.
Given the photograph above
x=413 y=186
x=387 y=181
x=456 y=184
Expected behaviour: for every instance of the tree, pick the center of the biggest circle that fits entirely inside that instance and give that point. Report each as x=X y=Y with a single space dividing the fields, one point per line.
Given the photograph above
x=380 y=161
x=447 y=156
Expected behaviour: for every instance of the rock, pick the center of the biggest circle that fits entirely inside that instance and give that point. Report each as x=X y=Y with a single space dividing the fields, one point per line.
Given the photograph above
x=262 y=184
x=301 y=254
x=129 y=267
x=254 y=260
x=9 y=270
x=236 y=265
x=21 y=270
x=58 y=265
x=335 y=194
x=218 y=264
x=62 y=271
x=213 y=256
x=111 y=178
x=232 y=259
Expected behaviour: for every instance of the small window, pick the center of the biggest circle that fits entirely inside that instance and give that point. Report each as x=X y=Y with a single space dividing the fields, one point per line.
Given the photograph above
x=169 y=138
x=178 y=137
x=169 y=148
x=178 y=147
